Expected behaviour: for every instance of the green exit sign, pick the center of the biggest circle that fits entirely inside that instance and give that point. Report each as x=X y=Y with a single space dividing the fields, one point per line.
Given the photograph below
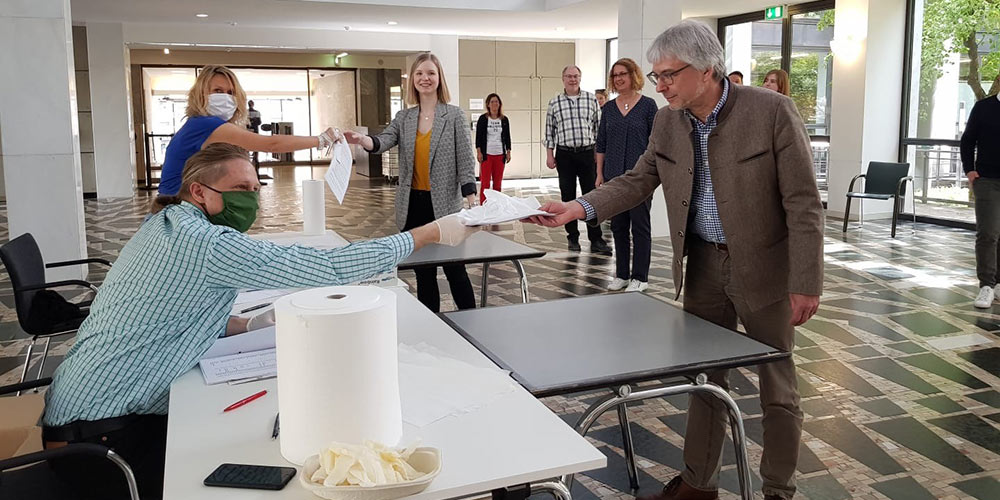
x=776 y=12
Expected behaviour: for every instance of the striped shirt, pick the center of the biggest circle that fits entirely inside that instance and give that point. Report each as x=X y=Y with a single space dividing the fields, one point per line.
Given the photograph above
x=703 y=219
x=572 y=121
x=168 y=298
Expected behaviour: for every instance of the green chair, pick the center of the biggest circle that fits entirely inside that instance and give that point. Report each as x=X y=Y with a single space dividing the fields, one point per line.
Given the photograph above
x=883 y=181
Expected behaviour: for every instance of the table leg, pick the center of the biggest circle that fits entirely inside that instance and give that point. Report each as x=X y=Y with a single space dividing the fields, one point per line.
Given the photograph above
x=524 y=280
x=701 y=384
x=559 y=490
x=623 y=422
x=484 y=285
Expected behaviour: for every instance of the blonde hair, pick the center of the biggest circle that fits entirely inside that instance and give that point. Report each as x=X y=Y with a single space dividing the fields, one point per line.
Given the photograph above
x=412 y=97
x=781 y=77
x=634 y=73
x=204 y=167
x=197 y=100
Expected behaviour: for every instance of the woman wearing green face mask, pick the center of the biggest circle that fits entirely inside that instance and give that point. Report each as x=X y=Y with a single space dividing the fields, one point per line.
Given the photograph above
x=168 y=297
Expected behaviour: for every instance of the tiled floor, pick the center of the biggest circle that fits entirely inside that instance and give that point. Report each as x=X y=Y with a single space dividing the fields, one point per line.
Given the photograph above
x=899 y=374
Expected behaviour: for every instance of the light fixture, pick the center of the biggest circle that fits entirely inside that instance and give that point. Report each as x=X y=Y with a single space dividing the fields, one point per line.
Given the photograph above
x=392 y=23
x=560 y=28
x=166 y=51
x=342 y=54
x=201 y=15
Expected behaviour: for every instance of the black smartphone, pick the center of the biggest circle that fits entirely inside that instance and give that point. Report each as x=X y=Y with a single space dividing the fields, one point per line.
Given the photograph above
x=258 y=477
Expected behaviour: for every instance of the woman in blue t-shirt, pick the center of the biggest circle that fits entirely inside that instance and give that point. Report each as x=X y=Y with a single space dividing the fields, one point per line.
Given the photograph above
x=217 y=112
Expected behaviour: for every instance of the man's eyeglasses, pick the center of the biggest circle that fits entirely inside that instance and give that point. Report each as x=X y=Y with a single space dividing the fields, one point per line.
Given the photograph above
x=665 y=78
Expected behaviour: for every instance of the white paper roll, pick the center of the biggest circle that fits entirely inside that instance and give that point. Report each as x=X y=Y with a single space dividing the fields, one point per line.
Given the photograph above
x=337 y=369
x=313 y=207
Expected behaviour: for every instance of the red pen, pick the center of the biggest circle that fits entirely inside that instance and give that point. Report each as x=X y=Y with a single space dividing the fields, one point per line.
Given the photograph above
x=244 y=401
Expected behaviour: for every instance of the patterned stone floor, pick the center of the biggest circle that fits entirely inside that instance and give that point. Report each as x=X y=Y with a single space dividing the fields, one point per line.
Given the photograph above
x=899 y=374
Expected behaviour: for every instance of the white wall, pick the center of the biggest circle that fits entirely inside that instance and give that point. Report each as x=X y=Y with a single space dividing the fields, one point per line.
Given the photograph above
x=40 y=132
x=591 y=57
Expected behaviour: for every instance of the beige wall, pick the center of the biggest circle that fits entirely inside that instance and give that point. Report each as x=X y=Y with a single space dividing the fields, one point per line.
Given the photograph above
x=526 y=75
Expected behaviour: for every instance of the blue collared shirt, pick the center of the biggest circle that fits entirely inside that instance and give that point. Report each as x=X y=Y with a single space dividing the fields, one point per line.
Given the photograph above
x=167 y=299
x=703 y=219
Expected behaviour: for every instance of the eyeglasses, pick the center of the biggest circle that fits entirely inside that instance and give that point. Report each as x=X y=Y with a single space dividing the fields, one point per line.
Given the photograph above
x=618 y=75
x=665 y=78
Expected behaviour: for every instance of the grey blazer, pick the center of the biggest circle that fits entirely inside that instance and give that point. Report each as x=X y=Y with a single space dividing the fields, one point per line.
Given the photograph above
x=451 y=160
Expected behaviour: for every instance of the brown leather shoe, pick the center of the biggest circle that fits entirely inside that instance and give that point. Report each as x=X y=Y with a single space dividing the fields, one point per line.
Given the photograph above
x=677 y=489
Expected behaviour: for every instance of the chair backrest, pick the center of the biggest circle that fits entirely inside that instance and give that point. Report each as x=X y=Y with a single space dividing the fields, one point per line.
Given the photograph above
x=25 y=266
x=883 y=177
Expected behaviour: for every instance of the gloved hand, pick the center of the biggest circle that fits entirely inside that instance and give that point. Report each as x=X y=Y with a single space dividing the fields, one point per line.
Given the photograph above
x=262 y=320
x=327 y=138
x=453 y=231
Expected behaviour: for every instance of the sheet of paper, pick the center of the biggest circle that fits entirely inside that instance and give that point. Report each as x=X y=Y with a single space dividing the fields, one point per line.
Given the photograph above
x=500 y=208
x=256 y=340
x=238 y=366
x=244 y=299
x=339 y=173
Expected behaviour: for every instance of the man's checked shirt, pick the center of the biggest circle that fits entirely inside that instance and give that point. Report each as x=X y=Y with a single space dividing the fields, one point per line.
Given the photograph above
x=572 y=121
x=703 y=218
x=168 y=298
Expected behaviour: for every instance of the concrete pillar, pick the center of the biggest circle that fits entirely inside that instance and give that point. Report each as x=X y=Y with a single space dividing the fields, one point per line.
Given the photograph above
x=39 y=130
x=639 y=23
x=868 y=72
x=114 y=141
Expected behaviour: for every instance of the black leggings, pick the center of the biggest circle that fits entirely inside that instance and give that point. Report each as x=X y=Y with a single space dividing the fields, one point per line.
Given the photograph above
x=421 y=211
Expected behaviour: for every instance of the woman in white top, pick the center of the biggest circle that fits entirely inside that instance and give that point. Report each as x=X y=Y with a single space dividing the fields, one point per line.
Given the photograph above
x=492 y=145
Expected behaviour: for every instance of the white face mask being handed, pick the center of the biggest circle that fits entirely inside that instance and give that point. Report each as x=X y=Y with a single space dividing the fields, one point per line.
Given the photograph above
x=221 y=105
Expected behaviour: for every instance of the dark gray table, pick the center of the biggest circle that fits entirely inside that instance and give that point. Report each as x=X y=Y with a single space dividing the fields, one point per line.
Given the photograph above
x=483 y=247
x=600 y=341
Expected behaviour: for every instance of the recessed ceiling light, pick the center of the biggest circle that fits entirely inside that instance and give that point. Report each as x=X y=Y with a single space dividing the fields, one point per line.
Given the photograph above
x=201 y=15
x=166 y=51
x=392 y=23
x=560 y=28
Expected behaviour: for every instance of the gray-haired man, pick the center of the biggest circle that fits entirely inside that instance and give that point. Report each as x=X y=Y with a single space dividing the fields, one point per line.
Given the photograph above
x=751 y=225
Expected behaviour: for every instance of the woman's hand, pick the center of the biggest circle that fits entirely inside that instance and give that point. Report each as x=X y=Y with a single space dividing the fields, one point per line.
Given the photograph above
x=471 y=201
x=479 y=156
x=363 y=140
x=508 y=157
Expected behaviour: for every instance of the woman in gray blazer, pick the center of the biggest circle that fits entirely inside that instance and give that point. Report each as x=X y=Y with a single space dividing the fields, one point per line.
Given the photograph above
x=436 y=168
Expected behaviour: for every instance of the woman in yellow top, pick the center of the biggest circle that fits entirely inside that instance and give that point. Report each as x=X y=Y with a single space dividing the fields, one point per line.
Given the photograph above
x=436 y=168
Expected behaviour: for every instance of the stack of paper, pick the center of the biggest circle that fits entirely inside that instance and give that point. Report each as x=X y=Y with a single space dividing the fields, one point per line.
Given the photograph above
x=239 y=366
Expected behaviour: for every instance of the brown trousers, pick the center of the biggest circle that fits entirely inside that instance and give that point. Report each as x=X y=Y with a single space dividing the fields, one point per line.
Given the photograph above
x=710 y=294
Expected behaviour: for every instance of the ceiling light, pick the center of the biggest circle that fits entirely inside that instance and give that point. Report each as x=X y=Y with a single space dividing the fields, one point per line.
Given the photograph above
x=201 y=15
x=560 y=28
x=342 y=54
x=392 y=23
x=166 y=51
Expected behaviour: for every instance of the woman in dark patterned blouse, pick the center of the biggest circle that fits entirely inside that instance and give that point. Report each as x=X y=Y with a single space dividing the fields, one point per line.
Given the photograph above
x=622 y=136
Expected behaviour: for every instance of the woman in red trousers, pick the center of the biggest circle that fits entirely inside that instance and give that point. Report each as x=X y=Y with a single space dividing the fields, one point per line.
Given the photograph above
x=492 y=145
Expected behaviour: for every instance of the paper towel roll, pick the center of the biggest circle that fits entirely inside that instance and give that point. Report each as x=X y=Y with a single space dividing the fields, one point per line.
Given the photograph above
x=313 y=207
x=337 y=369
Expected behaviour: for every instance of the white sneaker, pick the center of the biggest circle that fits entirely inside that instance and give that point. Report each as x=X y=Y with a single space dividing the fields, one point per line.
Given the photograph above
x=617 y=284
x=985 y=298
x=637 y=286
x=996 y=292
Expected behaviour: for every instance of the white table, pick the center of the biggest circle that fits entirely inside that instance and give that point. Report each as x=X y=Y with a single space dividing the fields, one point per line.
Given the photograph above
x=512 y=441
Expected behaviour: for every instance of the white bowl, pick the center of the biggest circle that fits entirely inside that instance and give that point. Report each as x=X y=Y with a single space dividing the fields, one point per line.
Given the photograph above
x=426 y=460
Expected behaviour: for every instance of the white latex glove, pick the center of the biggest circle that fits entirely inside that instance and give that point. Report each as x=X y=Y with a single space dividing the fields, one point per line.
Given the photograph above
x=262 y=320
x=453 y=231
x=327 y=138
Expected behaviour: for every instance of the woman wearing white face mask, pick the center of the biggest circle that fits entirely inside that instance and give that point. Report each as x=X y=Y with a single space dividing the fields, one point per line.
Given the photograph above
x=217 y=112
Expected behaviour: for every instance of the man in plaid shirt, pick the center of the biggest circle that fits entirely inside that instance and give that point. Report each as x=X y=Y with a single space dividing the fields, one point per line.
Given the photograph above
x=570 y=133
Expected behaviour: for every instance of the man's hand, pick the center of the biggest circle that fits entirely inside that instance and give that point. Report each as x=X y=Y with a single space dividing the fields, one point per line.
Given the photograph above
x=803 y=307
x=972 y=175
x=562 y=213
x=550 y=161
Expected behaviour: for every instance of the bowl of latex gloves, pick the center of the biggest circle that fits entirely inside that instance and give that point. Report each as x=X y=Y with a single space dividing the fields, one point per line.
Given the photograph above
x=370 y=471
